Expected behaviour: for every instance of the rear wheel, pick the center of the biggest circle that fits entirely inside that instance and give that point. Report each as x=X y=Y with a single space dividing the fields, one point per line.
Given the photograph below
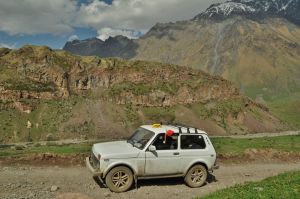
x=119 y=179
x=196 y=176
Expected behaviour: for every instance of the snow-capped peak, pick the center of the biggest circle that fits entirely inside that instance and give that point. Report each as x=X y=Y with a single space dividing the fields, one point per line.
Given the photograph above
x=227 y=8
x=284 y=8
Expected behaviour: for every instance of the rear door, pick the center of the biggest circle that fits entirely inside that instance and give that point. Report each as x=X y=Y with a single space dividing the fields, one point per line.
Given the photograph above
x=193 y=147
x=166 y=159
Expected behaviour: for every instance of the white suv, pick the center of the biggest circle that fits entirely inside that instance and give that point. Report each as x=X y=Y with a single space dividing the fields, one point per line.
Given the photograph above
x=154 y=151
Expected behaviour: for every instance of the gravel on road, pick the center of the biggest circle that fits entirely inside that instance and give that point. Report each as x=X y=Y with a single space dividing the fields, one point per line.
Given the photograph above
x=29 y=182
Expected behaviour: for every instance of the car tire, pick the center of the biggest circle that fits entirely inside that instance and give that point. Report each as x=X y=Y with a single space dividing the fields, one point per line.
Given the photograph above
x=119 y=179
x=196 y=176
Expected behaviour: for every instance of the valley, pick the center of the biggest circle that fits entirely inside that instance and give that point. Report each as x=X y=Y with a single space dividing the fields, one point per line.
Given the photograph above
x=76 y=73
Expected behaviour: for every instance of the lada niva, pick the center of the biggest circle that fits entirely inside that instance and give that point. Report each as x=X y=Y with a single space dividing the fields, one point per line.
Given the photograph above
x=154 y=151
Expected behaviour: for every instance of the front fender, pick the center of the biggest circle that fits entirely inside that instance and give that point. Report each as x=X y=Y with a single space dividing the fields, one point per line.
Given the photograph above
x=114 y=164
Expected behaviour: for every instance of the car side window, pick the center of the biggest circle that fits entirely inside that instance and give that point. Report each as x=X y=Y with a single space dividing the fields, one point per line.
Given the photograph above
x=170 y=143
x=192 y=142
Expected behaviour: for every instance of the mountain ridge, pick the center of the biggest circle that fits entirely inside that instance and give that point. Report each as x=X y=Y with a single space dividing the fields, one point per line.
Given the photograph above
x=288 y=9
x=111 y=47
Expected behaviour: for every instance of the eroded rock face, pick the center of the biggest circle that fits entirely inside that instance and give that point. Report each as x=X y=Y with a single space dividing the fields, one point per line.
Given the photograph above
x=135 y=82
x=70 y=96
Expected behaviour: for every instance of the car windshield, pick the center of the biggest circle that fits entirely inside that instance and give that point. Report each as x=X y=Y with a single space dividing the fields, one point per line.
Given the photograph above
x=140 y=138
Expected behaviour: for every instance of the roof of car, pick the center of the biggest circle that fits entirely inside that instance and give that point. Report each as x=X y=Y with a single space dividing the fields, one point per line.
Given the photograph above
x=157 y=128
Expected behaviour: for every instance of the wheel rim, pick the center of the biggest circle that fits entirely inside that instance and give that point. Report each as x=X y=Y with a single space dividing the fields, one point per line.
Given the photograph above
x=197 y=176
x=120 y=179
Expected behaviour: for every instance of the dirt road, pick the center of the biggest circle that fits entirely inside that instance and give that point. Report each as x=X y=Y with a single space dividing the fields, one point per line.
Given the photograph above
x=37 y=182
x=260 y=135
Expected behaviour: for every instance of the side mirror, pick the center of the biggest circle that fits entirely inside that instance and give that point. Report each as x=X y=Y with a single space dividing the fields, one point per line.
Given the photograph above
x=152 y=148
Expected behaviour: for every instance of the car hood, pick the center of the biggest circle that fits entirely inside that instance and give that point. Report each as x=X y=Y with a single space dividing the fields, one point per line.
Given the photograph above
x=118 y=149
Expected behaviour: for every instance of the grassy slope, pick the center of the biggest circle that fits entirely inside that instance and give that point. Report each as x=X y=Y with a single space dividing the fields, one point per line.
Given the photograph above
x=46 y=118
x=287 y=109
x=53 y=149
x=222 y=145
x=285 y=185
x=238 y=146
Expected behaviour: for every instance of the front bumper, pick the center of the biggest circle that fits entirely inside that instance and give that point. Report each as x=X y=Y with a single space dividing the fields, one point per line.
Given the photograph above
x=94 y=171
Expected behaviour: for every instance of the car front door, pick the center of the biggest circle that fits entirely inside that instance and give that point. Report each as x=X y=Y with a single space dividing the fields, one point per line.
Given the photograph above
x=166 y=159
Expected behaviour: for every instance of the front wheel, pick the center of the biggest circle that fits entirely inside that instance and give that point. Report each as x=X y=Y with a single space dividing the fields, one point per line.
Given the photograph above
x=196 y=176
x=119 y=179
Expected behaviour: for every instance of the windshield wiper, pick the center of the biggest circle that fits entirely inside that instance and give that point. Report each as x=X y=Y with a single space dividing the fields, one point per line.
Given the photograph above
x=137 y=145
x=129 y=141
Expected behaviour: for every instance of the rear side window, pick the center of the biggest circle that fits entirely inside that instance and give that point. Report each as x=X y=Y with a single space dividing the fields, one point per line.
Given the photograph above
x=192 y=142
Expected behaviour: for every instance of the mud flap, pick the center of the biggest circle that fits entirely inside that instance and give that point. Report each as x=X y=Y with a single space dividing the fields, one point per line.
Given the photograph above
x=135 y=181
x=99 y=181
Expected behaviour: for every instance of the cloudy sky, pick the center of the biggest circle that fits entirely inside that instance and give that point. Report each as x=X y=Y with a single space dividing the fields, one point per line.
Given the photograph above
x=53 y=22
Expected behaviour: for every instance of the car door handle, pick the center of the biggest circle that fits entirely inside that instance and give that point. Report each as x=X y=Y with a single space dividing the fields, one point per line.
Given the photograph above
x=175 y=153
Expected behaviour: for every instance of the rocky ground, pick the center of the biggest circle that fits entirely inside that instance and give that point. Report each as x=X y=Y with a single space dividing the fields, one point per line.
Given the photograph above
x=32 y=182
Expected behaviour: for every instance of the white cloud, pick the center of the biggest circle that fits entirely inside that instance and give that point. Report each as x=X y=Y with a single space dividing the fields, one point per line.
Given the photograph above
x=4 y=45
x=105 y=33
x=37 y=16
x=126 y=17
x=73 y=37
x=137 y=14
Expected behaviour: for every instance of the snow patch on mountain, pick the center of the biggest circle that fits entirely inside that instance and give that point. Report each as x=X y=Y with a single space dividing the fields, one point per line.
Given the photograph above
x=283 y=8
x=227 y=8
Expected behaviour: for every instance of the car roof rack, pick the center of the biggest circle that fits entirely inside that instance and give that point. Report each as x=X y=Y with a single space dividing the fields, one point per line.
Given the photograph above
x=180 y=126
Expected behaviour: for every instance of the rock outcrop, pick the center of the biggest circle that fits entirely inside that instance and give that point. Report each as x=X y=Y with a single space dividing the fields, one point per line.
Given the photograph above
x=70 y=96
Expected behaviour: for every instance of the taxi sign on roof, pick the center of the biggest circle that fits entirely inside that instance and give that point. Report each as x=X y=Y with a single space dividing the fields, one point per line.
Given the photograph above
x=156 y=125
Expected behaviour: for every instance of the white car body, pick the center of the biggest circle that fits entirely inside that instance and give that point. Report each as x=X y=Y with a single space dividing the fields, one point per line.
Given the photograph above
x=145 y=163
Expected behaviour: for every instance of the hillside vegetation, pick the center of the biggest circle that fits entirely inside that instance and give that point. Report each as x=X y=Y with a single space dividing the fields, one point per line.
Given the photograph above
x=68 y=96
x=285 y=185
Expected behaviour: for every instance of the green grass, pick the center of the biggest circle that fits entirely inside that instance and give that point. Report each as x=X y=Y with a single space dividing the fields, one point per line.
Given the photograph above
x=142 y=88
x=287 y=109
x=222 y=145
x=219 y=108
x=238 y=146
x=283 y=186
x=28 y=85
x=46 y=118
x=54 y=149
x=283 y=104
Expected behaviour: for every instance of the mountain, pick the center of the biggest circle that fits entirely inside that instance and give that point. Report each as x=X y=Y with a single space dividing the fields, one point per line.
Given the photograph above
x=66 y=96
x=259 y=53
x=112 y=47
x=255 y=55
x=254 y=44
x=254 y=9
